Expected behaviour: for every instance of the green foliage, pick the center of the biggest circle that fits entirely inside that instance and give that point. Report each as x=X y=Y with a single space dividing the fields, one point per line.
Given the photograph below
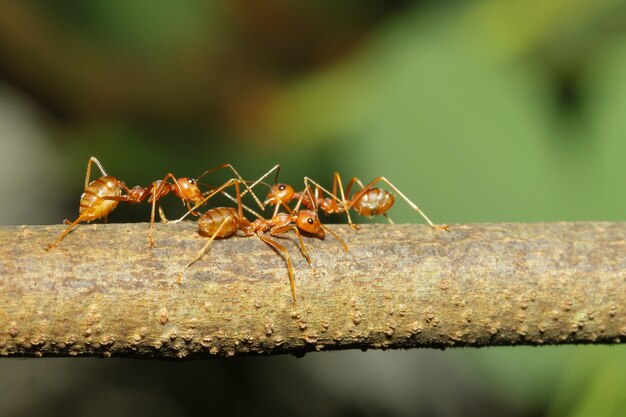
x=480 y=111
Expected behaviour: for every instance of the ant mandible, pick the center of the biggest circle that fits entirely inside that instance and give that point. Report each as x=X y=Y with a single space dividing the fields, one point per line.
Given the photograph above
x=222 y=222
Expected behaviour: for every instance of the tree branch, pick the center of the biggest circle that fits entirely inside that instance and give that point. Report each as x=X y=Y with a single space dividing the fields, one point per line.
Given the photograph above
x=102 y=292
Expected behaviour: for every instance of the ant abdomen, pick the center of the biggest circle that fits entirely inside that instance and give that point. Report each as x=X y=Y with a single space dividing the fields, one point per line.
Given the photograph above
x=374 y=202
x=91 y=202
x=222 y=218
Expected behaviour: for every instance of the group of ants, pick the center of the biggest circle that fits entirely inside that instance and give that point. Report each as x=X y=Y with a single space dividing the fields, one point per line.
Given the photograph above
x=101 y=196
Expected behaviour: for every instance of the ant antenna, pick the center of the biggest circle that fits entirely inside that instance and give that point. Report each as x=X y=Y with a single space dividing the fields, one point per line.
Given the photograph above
x=300 y=199
x=232 y=168
x=260 y=180
x=277 y=172
x=210 y=195
x=345 y=246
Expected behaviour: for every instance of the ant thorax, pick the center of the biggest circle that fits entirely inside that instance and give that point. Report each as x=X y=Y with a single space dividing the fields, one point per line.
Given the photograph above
x=136 y=193
x=305 y=198
x=163 y=189
x=281 y=219
x=278 y=221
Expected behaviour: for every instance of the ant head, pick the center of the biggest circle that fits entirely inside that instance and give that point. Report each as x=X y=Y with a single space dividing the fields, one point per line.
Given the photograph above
x=307 y=221
x=188 y=190
x=279 y=193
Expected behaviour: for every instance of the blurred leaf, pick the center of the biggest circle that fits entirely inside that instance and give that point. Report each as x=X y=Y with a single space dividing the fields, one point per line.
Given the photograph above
x=512 y=29
x=469 y=137
x=593 y=385
x=147 y=27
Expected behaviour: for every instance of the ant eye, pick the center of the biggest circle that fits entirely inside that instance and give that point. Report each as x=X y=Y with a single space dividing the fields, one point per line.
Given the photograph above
x=281 y=187
x=192 y=181
x=309 y=220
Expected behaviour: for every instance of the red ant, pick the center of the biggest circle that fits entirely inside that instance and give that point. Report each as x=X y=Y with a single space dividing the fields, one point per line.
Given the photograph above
x=222 y=222
x=101 y=196
x=185 y=188
x=369 y=201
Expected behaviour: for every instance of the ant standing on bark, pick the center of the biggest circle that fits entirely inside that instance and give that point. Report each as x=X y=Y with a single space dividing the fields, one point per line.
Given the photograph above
x=99 y=198
x=222 y=222
x=369 y=201
x=187 y=189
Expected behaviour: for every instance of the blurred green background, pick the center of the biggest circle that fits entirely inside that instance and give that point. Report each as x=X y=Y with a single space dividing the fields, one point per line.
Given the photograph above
x=480 y=111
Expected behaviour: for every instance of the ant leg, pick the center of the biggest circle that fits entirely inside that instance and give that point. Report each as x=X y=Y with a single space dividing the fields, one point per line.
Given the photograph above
x=281 y=230
x=276 y=210
x=307 y=190
x=93 y=160
x=388 y=218
x=207 y=198
x=248 y=188
x=262 y=177
x=191 y=210
x=308 y=180
x=156 y=192
x=304 y=251
x=405 y=198
x=248 y=209
x=203 y=250
x=67 y=230
x=88 y=172
x=278 y=246
x=162 y=215
x=286 y=207
x=214 y=192
x=351 y=183
x=81 y=218
x=240 y=178
x=337 y=181
x=159 y=192
x=228 y=183
x=344 y=203
x=343 y=243
x=260 y=180
x=283 y=205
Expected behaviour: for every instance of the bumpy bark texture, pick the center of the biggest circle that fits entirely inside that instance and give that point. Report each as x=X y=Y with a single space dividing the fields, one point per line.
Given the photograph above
x=103 y=292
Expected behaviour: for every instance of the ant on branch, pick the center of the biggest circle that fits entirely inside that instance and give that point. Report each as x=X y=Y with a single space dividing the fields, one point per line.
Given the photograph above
x=187 y=189
x=369 y=201
x=101 y=196
x=222 y=222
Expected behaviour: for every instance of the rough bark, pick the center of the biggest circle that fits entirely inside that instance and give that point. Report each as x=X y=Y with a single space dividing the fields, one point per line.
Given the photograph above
x=103 y=292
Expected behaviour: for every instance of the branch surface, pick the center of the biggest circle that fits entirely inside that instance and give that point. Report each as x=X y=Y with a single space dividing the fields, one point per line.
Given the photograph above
x=103 y=292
